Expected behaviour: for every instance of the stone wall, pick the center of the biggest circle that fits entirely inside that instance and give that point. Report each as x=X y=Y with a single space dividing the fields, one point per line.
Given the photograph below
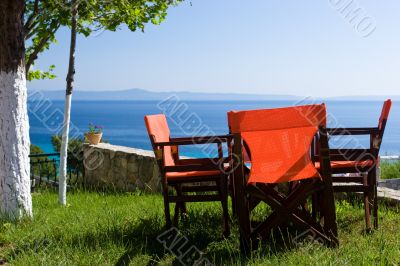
x=127 y=169
x=120 y=168
x=390 y=183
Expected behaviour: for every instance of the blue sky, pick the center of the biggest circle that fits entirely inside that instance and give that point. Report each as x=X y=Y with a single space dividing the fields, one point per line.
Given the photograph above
x=307 y=48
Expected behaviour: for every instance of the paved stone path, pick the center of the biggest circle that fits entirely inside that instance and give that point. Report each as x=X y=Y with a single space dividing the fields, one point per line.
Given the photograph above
x=383 y=192
x=389 y=193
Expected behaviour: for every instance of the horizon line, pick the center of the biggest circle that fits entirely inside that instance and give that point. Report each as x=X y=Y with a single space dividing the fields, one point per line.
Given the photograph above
x=235 y=93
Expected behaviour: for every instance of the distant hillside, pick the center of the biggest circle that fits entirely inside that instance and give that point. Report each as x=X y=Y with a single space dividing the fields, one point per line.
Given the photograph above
x=145 y=95
x=365 y=98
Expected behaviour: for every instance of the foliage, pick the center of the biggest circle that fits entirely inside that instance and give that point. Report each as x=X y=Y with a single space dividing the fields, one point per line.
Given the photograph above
x=103 y=229
x=43 y=18
x=35 y=149
x=390 y=170
x=42 y=166
x=74 y=144
x=75 y=153
x=95 y=129
x=39 y=74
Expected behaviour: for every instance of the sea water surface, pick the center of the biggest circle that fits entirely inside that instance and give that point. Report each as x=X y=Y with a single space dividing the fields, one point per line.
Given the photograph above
x=124 y=125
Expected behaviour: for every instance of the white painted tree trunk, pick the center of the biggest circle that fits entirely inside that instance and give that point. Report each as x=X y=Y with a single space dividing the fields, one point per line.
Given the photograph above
x=15 y=185
x=62 y=186
x=62 y=190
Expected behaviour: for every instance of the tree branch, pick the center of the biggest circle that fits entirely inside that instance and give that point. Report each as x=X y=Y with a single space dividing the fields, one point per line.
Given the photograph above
x=71 y=67
x=31 y=31
x=33 y=56
x=28 y=24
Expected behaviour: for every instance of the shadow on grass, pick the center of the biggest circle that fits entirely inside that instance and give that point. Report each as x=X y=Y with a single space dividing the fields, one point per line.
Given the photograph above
x=199 y=230
x=204 y=231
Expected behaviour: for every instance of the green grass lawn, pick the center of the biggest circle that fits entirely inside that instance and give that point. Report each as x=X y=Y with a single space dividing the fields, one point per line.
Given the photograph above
x=109 y=229
x=390 y=170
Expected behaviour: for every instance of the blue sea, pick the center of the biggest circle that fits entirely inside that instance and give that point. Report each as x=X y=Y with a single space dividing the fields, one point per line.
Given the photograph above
x=123 y=120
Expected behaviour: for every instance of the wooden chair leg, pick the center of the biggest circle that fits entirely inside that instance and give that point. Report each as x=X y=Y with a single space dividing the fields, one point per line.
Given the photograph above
x=232 y=193
x=329 y=215
x=176 y=214
x=177 y=206
x=314 y=206
x=375 y=212
x=183 y=208
x=182 y=205
x=243 y=216
x=367 y=202
x=166 y=208
x=223 y=191
x=375 y=197
x=246 y=244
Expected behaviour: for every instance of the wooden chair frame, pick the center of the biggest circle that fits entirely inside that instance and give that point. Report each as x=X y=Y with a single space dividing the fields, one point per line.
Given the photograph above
x=185 y=185
x=248 y=196
x=366 y=181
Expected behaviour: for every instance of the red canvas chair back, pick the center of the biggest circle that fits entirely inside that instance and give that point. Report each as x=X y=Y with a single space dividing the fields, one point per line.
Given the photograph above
x=158 y=130
x=384 y=116
x=279 y=141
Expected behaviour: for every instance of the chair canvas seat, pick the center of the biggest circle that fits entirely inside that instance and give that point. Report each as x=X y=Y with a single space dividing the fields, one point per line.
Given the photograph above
x=348 y=164
x=188 y=174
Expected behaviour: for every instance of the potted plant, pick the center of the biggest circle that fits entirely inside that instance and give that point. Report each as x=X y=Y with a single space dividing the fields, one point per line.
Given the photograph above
x=94 y=134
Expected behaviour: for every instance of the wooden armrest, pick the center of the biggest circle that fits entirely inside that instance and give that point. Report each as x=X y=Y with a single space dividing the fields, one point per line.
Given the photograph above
x=192 y=167
x=352 y=131
x=205 y=139
x=203 y=161
x=194 y=140
x=348 y=154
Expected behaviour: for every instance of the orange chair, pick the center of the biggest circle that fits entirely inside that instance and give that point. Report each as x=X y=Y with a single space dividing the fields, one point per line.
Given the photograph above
x=208 y=173
x=278 y=144
x=361 y=163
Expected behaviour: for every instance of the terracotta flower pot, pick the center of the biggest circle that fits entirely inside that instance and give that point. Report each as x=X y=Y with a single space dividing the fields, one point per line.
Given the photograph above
x=94 y=138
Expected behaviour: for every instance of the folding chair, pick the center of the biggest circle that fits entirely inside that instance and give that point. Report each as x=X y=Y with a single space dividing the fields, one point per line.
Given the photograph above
x=278 y=143
x=362 y=164
x=187 y=176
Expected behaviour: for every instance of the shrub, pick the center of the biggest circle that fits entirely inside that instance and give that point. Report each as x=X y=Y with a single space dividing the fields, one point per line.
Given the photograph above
x=75 y=155
x=74 y=144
